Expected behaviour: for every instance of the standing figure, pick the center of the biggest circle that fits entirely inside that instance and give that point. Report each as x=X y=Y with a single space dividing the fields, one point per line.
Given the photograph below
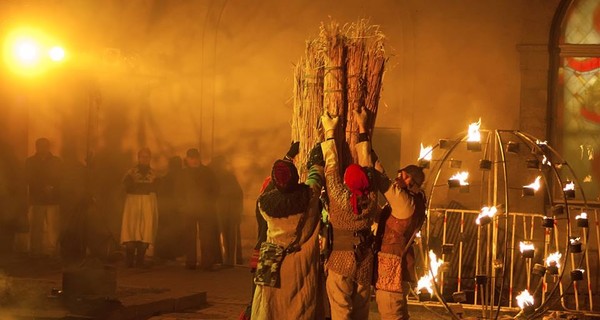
x=197 y=189
x=396 y=258
x=288 y=268
x=229 y=209
x=170 y=230
x=352 y=211
x=140 y=215
x=44 y=173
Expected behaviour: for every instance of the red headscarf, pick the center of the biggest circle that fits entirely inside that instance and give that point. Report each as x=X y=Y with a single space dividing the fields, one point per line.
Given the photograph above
x=357 y=181
x=284 y=175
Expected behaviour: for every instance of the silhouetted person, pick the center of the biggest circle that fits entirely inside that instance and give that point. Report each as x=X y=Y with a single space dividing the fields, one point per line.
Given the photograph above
x=44 y=172
x=170 y=227
x=140 y=213
x=197 y=189
x=229 y=209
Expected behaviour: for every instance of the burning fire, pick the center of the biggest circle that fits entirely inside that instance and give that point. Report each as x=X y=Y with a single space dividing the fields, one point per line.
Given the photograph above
x=583 y=215
x=535 y=185
x=546 y=161
x=526 y=246
x=569 y=186
x=524 y=299
x=474 y=134
x=486 y=211
x=426 y=281
x=425 y=153
x=461 y=177
x=553 y=259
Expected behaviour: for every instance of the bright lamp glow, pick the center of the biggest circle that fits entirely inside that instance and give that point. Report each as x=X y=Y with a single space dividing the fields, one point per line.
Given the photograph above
x=30 y=52
x=26 y=51
x=56 y=53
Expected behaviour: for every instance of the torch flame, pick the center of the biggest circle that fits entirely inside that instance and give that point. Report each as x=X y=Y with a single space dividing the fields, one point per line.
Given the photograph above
x=435 y=263
x=583 y=215
x=554 y=259
x=535 y=185
x=474 y=134
x=569 y=186
x=486 y=211
x=546 y=161
x=526 y=245
x=524 y=299
x=425 y=153
x=461 y=177
x=426 y=281
x=575 y=240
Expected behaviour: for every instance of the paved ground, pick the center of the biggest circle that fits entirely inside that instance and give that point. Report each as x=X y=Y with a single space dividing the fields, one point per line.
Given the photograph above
x=227 y=289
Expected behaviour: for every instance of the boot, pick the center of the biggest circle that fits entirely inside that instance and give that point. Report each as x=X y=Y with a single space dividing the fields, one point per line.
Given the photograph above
x=141 y=253
x=129 y=253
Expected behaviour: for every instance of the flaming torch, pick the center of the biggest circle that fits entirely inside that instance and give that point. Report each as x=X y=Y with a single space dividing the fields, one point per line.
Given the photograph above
x=525 y=302
x=425 y=284
x=459 y=180
x=474 y=136
x=530 y=189
x=527 y=249
x=542 y=147
x=577 y=275
x=425 y=156
x=569 y=190
x=575 y=244
x=582 y=220
x=553 y=262
x=486 y=215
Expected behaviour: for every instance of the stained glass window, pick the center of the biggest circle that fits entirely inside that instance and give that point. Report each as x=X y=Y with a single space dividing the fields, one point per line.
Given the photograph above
x=578 y=102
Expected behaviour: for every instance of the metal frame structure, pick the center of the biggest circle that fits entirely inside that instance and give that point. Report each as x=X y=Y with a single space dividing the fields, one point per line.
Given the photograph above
x=496 y=260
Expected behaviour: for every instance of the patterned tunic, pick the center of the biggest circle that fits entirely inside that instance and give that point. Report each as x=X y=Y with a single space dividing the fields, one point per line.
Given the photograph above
x=342 y=217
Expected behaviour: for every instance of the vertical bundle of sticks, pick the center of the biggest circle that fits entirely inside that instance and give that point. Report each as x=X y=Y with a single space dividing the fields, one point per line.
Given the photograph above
x=342 y=70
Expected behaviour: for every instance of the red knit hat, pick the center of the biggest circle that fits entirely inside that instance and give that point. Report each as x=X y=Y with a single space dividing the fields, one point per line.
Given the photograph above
x=284 y=175
x=357 y=181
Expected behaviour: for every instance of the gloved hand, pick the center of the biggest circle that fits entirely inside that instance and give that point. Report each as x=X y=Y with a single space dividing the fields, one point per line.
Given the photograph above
x=293 y=151
x=329 y=123
x=315 y=157
x=360 y=117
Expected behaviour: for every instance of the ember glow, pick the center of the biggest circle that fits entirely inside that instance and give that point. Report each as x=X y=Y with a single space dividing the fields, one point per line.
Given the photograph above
x=474 y=134
x=553 y=259
x=524 y=299
x=583 y=215
x=569 y=186
x=486 y=212
x=425 y=153
x=535 y=185
x=461 y=177
x=526 y=246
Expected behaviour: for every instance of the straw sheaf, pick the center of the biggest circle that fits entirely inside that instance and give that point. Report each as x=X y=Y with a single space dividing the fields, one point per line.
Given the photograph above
x=342 y=70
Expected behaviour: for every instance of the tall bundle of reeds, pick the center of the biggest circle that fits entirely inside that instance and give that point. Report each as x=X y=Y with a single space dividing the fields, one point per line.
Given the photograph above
x=308 y=102
x=341 y=71
x=375 y=65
